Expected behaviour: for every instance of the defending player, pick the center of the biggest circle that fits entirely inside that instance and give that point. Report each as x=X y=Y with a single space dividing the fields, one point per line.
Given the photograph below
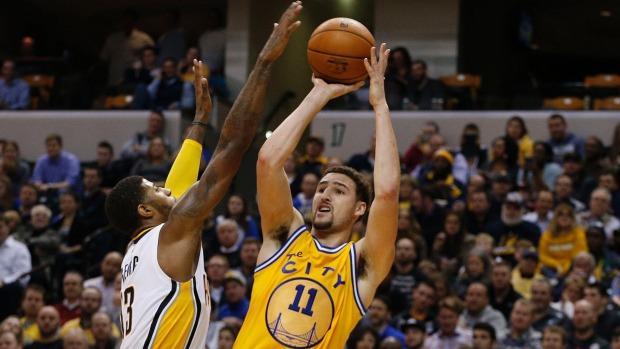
x=311 y=288
x=165 y=300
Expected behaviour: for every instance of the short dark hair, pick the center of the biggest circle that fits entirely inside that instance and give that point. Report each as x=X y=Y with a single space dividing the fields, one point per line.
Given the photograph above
x=363 y=189
x=122 y=202
x=483 y=326
x=599 y=287
x=558 y=116
x=54 y=137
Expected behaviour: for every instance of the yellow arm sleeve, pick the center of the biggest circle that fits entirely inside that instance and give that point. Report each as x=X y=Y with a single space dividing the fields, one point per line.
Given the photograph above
x=184 y=171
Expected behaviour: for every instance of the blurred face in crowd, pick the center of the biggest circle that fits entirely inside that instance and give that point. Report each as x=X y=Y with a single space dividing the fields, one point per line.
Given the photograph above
x=564 y=217
x=483 y=340
x=10 y=152
x=4 y=231
x=227 y=233
x=571 y=167
x=90 y=301
x=32 y=303
x=75 y=340
x=155 y=124
x=39 y=219
x=157 y=149
x=448 y=320
x=249 y=254
x=235 y=205
x=479 y=202
x=584 y=316
x=582 y=265
x=541 y=296
x=596 y=300
x=436 y=142
x=557 y=129
x=599 y=202
x=168 y=69
x=72 y=286
x=552 y=340
x=476 y=298
x=596 y=240
x=217 y=266
x=500 y=276
x=499 y=149
x=500 y=188
x=514 y=130
x=414 y=337
x=225 y=339
x=53 y=148
x=423 y=297
x=405 y=251
x=48 y=321
x=111 y=265
x=379 y=313
x=102 y=326
x=404 y=219
x=68 y=205
x=452 y=224
x=511 y=213
x=476 y=183
x=8 y=340
x=308 y=184
x=608 y=181
x=104 y=156
x=8 y=70
x=544 y=202
x=474 y=266
x=528 y=266
x=521 y=317
x=314 y=149
x=91 y=179
x=148 y=57
x=418 y=71
x=11 y=324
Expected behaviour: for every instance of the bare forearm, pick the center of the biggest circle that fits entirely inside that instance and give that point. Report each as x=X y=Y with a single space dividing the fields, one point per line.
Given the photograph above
x=387 y=162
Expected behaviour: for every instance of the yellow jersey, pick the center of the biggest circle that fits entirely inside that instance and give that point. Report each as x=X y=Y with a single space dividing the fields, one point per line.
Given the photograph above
x=304 y=296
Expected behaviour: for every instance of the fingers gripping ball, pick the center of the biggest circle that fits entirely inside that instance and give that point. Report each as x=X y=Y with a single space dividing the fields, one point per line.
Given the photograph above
x=337 y=49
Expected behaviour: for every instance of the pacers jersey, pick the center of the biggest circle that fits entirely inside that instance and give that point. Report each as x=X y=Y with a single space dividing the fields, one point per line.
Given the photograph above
x=158 y=312
x=304 y=296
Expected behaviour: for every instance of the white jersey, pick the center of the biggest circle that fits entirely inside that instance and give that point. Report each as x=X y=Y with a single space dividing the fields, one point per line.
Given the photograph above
x=158 y=312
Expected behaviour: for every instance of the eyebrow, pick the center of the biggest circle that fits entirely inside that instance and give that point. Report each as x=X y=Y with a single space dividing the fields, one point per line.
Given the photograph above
x=340 y=184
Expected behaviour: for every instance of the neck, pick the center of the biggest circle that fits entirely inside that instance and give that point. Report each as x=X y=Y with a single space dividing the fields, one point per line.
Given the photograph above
x=332 y=238
x=583 y=334
x=380 y=327
x=403 y=267
x=500 y=293
x=85 y=320
x=48 y=338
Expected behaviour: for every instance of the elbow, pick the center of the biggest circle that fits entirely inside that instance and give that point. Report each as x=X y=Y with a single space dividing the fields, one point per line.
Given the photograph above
x=388 y=191
x=266 y=158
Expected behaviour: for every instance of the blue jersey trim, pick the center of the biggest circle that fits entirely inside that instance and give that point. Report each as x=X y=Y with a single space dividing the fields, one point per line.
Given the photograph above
x=282 y=249
x=356 y=294
x=327 y=249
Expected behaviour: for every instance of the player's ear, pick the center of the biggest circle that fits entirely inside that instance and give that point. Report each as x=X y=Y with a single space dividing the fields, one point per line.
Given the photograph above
x=360 y=208
x=145 y=211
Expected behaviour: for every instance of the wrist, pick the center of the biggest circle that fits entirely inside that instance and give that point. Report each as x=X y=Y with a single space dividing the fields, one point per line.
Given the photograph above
x=200 y=123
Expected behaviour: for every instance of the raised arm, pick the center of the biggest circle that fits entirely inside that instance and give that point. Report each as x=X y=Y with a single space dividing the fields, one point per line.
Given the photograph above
x=278 y=217
x=378 y=244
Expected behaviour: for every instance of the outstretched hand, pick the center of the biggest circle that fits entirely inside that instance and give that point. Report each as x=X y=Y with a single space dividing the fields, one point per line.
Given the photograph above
x=202 y=93
x=282 y=32
x=335 y=90
x=376 y=72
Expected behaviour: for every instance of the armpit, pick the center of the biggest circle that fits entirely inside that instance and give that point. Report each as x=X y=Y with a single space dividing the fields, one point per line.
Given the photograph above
x=279 y=234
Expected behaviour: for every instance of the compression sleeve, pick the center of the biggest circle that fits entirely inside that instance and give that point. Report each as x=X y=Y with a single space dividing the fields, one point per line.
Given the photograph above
x=184 y=170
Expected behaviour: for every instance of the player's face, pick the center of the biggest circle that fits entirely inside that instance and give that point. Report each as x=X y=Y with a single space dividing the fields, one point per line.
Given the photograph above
x=161 y=198
x=335 y=203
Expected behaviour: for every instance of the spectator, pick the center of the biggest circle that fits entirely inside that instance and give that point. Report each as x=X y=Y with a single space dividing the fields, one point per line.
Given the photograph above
x=606 y=260
x=212 y=42
x=398 y=80
x=554 y=337
x=512 y=227
x=111 y=171
x=75 y=339
x=404 y=275
x=420 y=151
x=439 y=175
x=303 y=201
x=217 y=266
x=379 y=315
x=414 y=332
x=364 y=162
x=103 y=331
x=48 y=322
x=233 y=311
x=110 y=266
x=484 y=336
x=584 y=265
x=562 y=240
x=10 y=340
x=32 y=303
x=605 y=319
x=142 y=71
x=14 y=92
x=122 y=47
x=186 y=65
x=428 y=213
x=313 y=160
x=449 y=335
x=478 y=309
x=248 y=255
x=573 y=166
x=156 y=165
x=477 y=213
x=520 y=334
x=502 y=296
x=539 y=172
x=90 y=303
x=500 y=187
x=544 y=314
x=427 y=93
x=477 y=268
x=583 y=334
x=237 y=210
x=14 y=262
x=363 y=337
x=564 y=193
x=137 y=146
x=504 y=158
x=292 y=167
x=561 y=141
x=69 y=308
x=229 y=241
x=516 y=129
x=543 y=210
x=613 y=159
x=57 y=169
x=608 y=180
x=92 y=208
x=72 y=230
x=226 y=337
x=12 y=324
x=172 y=42
x=452 y=244
x=474 y=152
x=594 y=162
x=423 y=297
x=600 y=206
x=459 y=164
x=168 y=92
x=409 y=227
x=572 y=291
x=14 y=166
x=7 y=196
x=526 y=271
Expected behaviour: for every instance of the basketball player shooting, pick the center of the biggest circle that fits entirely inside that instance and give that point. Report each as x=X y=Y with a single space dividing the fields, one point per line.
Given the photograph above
x=165 y=300
x=312 y=287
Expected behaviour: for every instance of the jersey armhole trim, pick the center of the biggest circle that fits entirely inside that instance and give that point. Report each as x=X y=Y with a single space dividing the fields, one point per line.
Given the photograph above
x=356 y=294
x=282 y=249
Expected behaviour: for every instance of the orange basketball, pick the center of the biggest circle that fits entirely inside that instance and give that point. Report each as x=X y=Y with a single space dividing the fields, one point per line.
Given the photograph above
x=337 y=49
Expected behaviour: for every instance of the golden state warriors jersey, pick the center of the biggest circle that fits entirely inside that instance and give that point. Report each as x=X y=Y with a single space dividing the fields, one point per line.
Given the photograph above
x=304 y=296
x=158 y=312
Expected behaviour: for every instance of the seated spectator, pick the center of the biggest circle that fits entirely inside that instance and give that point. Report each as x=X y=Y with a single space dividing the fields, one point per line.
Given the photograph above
x=226 y=337
x=92 y=207
x=516 y=129
x=48 y=322
x=526 y=270
x=137 y=146
x=103 y=331
x=10 y=340
x=7 y=196
x=409 y=227
x=539 y=172
x=600 y=206
x=156 y=164
x=504 y=158
x=606 y=319
x=562 y=240
x=233 y=311
x=543 y=210
x=142 y=71
x=72 y=231
x=474 y=152
x=561 y=141
x=56 y=171
x=14 y=262
x=564 y=193
x=414 y=332
x=229 y=241
x=363 y=337
x=186 y=65
x=439 y=176
x=584 y=266
x=236 y=209
x=478 y=309
x=110 y=266
x=426 y=92
x=484 y=336
x=500 y=187
x=14 y=166
x=429 y=214
x=248 y=256
x=502 y=296
x=476 y=268
x=379 y=314
x=69 y=308
x=217 y=266
x=451 y=245
x=399 y=81
x=554 y=337
x=168 y=92
x=313 y=160
x=583 y=334
x=423 y=298
x=477 y=212
x=90 y=302
x=364 y=162
x=32 y=303
x=449 y=335
x=608 y=180
x=573 y=166
x=404 y=274
x=544 y=314
x=112 y=171
x=572 y=291
x=75 y=339
x=607 y=261
x=14 y=92
x=520 y=333
x=303 y=201
x=292 y=168
x=419 y=152
x=12 y=324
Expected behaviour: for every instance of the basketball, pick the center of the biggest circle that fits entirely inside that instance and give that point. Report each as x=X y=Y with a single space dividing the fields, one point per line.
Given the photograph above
x=337 y=48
